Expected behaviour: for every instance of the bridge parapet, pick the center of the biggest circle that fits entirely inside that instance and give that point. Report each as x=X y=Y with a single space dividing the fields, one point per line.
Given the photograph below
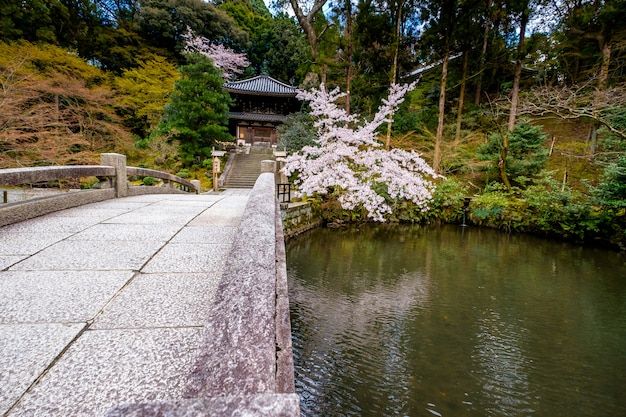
x=112 y=172
x=245 y=362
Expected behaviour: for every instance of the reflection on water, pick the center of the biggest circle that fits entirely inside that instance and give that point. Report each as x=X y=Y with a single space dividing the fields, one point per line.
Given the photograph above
x=410 y=321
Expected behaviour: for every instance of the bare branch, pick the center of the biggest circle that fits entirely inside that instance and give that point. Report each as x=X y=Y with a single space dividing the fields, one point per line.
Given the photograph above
x=576 y=102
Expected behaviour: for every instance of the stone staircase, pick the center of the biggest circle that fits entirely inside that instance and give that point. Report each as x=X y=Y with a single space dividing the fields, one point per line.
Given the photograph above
x=245 y=169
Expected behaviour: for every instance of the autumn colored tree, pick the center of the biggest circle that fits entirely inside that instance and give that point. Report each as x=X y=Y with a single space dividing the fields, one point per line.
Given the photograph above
x=55 y=108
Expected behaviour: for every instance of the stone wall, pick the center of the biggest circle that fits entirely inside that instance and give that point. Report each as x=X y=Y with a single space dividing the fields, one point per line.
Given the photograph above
x=298 y=218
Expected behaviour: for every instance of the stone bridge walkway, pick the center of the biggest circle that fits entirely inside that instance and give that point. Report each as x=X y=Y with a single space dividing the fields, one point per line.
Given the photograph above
x=104 y=304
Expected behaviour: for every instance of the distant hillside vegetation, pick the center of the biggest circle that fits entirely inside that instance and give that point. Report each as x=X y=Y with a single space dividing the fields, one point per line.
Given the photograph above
x=55 y=109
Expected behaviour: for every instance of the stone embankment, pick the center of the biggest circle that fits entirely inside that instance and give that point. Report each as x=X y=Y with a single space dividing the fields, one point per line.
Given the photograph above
x=299 y=217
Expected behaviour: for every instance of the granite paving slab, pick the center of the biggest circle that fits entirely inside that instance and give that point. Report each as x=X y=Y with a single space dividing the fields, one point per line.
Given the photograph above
x=161 y=300
x=27 y=243
x=94 y=212
x=128 y=204
x=220 y=215
x=208 y=197
x=205 y=234
x=146 y=198
x=57 y=296
x=189 y=257
x=47 y=224
x=260 y=405
x=125 y=232
x=25 y=352
x=230 y=192
x=8 y=260
x=154 y=217
x=105 y=368
x=193 y=197
x=186 y=203
x=91 y=255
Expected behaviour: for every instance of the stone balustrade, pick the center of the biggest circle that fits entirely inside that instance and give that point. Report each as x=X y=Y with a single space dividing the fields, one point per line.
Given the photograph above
x=113 y=173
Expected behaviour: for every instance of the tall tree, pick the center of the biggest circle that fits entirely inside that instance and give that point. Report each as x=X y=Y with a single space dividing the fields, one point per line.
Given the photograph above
x=483 y=53
x=305 y=19
x=459 y=113
x=524 y=14
x=163 y=23
x=349 y=52
x=394 y=65
x=376 y=45
x=598 y=24
x=196 y=115
x=520 y=8
x=440 y=17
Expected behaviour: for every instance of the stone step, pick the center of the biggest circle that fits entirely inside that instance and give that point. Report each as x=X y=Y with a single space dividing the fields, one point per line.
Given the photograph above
x=245 y=170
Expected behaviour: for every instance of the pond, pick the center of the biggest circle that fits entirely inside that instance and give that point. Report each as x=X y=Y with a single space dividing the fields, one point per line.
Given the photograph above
x=392 y=320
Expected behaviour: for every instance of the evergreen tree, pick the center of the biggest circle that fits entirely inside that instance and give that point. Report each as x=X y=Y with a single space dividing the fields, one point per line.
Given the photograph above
x=612 y=189
x=297 y=132
x=197 y=112
x=526 y=155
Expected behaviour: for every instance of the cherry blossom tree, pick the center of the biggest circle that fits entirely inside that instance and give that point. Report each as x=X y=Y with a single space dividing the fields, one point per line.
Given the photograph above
x=350 y=161
x=231 y=63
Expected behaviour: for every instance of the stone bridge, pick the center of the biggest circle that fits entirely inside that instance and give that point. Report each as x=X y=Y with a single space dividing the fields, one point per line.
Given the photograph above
x=144 y=301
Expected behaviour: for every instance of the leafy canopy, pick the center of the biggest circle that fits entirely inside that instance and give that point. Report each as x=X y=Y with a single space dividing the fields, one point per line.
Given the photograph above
x=144 y=91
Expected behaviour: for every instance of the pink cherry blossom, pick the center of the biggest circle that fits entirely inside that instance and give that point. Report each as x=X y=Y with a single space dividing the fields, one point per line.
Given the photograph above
x=349 y=157
x=230 y=62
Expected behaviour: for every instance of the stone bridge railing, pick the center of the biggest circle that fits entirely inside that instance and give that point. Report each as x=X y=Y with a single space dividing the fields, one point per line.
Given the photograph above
x=245 y=365
x=113 y=171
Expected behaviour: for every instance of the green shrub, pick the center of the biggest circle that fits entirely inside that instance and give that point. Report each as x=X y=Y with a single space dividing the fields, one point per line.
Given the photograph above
x=447 y=202
x=149 y=181
x=526 y=155
x=296 y=132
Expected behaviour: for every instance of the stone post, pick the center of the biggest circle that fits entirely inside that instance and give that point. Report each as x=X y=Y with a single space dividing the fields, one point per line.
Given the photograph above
x=117 y=161
x=198 y=186
x=268 y=166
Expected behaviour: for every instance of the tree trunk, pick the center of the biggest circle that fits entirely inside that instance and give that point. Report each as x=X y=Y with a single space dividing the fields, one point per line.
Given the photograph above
x=394 y=68
x=459 y=115
x=348 y=52
x=483 y=56
x=603 y=81
x=518 y=70
x=306 y=23
x=442 y=103
x=514 y=97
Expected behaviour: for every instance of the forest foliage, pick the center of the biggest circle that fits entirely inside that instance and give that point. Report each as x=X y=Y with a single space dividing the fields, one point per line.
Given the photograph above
x=520 y=103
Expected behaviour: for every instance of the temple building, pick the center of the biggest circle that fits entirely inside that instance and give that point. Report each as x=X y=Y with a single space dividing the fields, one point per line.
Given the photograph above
x=260 y=105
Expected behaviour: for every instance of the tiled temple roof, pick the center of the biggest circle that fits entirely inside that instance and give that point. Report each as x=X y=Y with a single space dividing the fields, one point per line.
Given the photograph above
x=261 y=85
x=257 y=117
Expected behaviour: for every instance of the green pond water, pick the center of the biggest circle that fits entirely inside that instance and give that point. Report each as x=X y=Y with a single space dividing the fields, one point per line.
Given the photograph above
x=455 y=321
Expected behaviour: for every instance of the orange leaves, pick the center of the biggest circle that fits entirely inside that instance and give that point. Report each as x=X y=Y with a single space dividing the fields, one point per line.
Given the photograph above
x=54 y=108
